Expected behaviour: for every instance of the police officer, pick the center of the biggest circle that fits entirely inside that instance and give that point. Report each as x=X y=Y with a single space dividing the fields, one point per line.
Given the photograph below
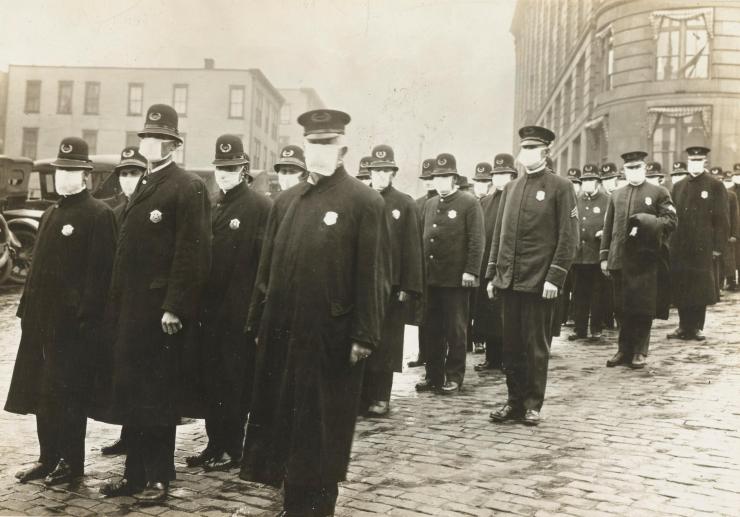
x=130 y=169
x=488 y=319
x=453 y=251
x=698 y=242
x=406 y=281
x=363 y=174
x=678 y=173
x=638 y=290
x=417 y=316
x=609 y=176
x=574 y=175
x=719 y=263
x=654 y=173
x=481 y=189
x=590 y=284
x=238 y=225
x=736 y=190
x=533 y=246
x=730 y=262
x=565 y=307
x=61 y=313
x=161 y=266
x=319 y=303
x=290 y=167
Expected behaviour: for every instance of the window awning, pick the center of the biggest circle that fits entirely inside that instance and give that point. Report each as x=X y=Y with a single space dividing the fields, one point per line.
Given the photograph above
x=680 y=112
x=705 y=13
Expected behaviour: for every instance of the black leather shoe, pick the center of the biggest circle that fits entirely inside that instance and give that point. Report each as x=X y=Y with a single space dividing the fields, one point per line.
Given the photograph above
x=114 y=449
x=63 y=473
x=576 y=336
x=119 y=488
x=35 y=471
x=425 y=386
x=617 y=359
x=153 y=493
x=506 y=412
x=198 y=460
x=638 y=361
x=485 y=365
x=449 y=388
x=532 y=417
x=221 y=462
x=415 y=364
x=679 y=333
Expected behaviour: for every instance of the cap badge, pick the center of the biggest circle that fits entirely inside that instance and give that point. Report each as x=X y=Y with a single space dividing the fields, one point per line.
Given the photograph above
x=540 y=196
x=605 y=168
x=330 y=218
x=500 y=161
x=648 y=201
x=128 y=153
x=396 y=213
x=154 y=116
x=66 y=148
x=321 y=116
x=426 y=165
x=528 y=130
x=380 y=154
x=480 y=169
x=704 y=194
x=442 y=161
x=68 y=230
x=225 y=148
x=287 y=153
x=234 y=224
x=155 y=216
x=676 y=165
x=452 y=214
x=364 y=164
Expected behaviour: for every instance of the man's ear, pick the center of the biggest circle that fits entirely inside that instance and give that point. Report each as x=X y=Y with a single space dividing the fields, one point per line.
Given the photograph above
x=343 y=152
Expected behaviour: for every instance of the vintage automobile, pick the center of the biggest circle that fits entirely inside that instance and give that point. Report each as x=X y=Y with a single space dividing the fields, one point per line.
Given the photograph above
x=17 y=229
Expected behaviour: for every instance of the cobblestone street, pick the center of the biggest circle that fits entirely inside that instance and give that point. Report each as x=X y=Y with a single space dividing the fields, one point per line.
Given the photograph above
x=661 y=441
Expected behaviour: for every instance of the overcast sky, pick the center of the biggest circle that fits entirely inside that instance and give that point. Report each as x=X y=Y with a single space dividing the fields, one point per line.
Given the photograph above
x=405 y=70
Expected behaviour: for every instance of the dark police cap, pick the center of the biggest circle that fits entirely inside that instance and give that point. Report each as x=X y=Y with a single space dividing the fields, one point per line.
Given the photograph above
x=679 y=168
x=634 y=156
x=323 y=124
x=131 y=157
x=72 y=154
x=364 y=171
x=697 y=151
x=574 y=174
x=727 y=175
x=230 y=151
x=608 y=170
x=503 y=163
x=161 y=121
x=427 y=166
x=590 y=172
x=536 y=134
x=382 y=157
x=483 y=172
x=653 y=169
x=445 y=165
x=291 y=155
x=716 y=172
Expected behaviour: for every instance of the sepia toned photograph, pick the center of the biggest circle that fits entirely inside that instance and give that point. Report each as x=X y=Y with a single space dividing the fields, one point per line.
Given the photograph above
x=311 y=258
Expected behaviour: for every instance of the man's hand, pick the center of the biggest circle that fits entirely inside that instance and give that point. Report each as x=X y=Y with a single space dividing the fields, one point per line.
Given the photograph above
x=171 y=324
x=605 y=268
x=633 y=232
x=468 y=280
x=716 y=254
x=599 y=234
x=358 y=353
x=549 y=291
x=733 y=240
x=403 y=296
x=491 y=291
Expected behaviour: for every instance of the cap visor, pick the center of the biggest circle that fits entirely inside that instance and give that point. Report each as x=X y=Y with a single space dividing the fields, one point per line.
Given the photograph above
x=160 y=132
x=322 y=136
x=131 y=163
x=226 y=163
x=71 y=164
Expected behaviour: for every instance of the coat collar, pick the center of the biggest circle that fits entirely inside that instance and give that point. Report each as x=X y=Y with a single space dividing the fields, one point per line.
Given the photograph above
x=66 y=201
x=326 y=183
x=233 y=193
x=149 y=183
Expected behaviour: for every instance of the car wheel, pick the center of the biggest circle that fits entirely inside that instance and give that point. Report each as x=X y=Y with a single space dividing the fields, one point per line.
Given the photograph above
x=23 y=255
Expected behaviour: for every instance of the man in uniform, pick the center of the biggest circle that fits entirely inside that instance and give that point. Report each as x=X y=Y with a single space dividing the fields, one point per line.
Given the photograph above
x=678 y=173
x=363 y=174
x=453 y=250
x=417 y=312
x=319 y=303
x=719 y=263
x=481 y=189
x=563 y=303
x=638 y=288
x=590 y=284
x=533 y=246
x=161 y=266
x=730 y=262
x=290 y=167
x=130 y=169
x=736 y=190
x=698 y=242
x=407 y=282
x=609 y=176
x=61 y=311
x=654 y=173
x=239 y=219
x=488 y=322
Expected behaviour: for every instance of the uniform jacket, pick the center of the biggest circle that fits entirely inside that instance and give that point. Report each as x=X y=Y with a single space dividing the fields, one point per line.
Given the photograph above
x=703 y=227
x=323 y=283
x=591 y=210
x=536 y=233
x=415 y=309
x=162 y=262
x=486 y=313
x=730 y=262
x=62 y=304
x=453 y=239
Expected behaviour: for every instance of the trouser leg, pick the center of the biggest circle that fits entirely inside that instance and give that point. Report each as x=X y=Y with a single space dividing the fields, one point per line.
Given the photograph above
x=159 y=453
x=214 y=428
x=581 y=297
x=46 y=430
x=422 y=355
x=72 y=426
x=641 y=334
x=134 y=470
x=435 y=328
x=537 y=316
x=627 y=329
x=456 y=314
x=691 y=318
x=233 y=437
x=598 y=287
x=514 y=356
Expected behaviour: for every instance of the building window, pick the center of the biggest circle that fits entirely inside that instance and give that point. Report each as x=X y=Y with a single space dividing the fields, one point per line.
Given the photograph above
x=90 y=136
x=236 y=102
x=258 y=109
x=567 y=102
x=676 y=128
x=264 y=157
x=135 y=98
x=92 y=98
x=33 y=96
x=179 y=155
x=64 y=99
x=609 y=61
x=256 y=153
x=268 y=112
x=285 y=114
x=132 y=139
x=274 y=131
x=30 y=142
x=580 y=86
x=180 y=99
x=682 y=49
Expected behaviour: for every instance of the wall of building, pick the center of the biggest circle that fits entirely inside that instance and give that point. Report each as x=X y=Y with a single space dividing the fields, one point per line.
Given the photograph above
x=3 y=103
x=297 y=101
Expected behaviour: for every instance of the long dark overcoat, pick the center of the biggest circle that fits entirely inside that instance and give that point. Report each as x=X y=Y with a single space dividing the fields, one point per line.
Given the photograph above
x=487 y=314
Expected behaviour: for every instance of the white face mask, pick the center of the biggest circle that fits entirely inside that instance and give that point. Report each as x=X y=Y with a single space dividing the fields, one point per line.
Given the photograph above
x=577 y=187
x=635 y=176
x=610 y=184
x=151 y=148
x=500 y=180
x=675 y=178
x=444 y=184
x=227 y=180
x=128 y=184
x=736 y=179
x=728 y=184
x=695 y=167
x=589 y=186
x=481 y=188
x=653 y=180
x=68 y=182
x=380 y=179
x=531 y=158
x=322 y=159
x=288 y=180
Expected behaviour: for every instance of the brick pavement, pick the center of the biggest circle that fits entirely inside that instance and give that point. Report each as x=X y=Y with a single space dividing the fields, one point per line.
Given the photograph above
x=663 y=441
